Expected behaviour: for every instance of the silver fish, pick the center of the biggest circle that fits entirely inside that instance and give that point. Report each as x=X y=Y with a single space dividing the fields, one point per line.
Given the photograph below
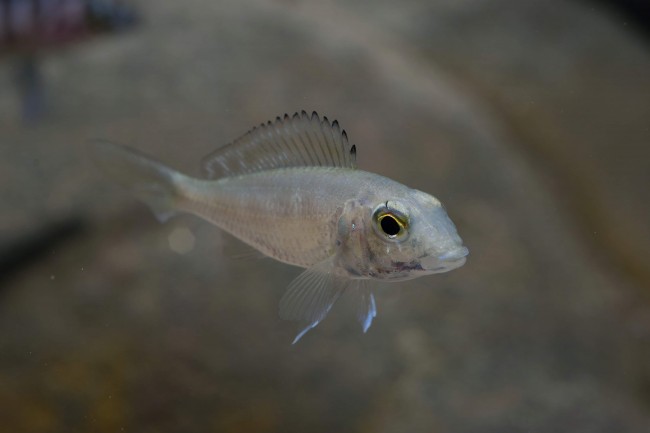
x=291 y=189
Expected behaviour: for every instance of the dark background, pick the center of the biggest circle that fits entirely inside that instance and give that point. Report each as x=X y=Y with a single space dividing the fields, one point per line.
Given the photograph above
x=529 y=120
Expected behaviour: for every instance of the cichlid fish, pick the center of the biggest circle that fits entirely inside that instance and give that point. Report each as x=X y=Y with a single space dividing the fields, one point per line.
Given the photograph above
x=291 y=189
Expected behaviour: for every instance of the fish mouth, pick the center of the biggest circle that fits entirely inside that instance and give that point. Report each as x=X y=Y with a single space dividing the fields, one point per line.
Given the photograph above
x=445 y=262
x=410 y=266
x=425 y=265
x=399 y=271
x=454 y=255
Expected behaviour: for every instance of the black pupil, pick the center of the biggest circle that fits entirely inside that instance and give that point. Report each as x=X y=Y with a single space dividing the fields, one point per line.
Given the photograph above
x=389 y=225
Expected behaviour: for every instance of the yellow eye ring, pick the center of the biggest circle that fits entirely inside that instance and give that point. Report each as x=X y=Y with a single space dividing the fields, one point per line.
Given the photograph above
x=391 y=224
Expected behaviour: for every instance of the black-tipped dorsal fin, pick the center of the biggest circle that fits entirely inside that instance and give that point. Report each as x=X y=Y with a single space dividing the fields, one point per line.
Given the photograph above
x=300 y=140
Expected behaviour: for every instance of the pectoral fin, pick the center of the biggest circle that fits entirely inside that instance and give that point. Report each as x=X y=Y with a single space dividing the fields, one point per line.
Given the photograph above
x=366 y=307
x=311 y=296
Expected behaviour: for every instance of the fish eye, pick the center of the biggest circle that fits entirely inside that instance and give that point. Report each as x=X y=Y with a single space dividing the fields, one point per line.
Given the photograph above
x=390 y=223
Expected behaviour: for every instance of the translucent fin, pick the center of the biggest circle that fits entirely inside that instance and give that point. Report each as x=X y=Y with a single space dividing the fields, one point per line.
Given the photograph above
x=311 y=296
x=297 y=141
x=366 y=308
x=148 y=179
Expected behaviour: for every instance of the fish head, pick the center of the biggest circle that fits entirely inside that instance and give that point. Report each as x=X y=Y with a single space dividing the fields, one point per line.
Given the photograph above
x=405 y=237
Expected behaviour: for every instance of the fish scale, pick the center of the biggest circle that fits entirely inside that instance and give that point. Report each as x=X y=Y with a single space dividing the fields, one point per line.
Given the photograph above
x=261 y=209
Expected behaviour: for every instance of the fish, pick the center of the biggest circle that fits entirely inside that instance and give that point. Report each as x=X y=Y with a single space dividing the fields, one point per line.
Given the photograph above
x=30 y=28
x=290 y=188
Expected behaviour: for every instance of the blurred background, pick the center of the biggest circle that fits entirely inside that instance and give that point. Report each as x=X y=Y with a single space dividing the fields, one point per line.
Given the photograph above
x=529 y=120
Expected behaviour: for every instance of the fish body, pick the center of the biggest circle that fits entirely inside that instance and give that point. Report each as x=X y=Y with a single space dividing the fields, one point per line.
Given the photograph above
x=291 y=189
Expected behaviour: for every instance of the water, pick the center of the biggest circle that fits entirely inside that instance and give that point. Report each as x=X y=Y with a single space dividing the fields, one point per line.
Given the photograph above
x=120 y=322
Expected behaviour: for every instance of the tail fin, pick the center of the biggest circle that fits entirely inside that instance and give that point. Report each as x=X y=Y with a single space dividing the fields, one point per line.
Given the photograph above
x=149 y=180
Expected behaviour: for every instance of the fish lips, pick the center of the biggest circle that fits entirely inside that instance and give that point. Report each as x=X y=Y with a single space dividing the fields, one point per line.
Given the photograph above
x=445 y=262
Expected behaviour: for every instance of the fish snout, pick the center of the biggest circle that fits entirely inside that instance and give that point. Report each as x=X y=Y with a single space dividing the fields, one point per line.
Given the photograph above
x=454 y=255
x=446 y=261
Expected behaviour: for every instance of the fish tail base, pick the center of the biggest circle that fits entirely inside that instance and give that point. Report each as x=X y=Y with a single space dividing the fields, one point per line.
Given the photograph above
x=149 y=180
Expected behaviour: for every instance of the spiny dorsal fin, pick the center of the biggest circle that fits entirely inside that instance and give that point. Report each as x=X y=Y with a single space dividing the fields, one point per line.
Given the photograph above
x=290 y=141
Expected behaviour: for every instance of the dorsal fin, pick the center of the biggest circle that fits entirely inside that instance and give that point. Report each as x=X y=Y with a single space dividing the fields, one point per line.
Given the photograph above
x=290 y=141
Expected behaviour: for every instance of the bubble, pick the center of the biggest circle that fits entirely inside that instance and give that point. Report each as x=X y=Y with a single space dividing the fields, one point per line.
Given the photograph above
x=181 y=240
